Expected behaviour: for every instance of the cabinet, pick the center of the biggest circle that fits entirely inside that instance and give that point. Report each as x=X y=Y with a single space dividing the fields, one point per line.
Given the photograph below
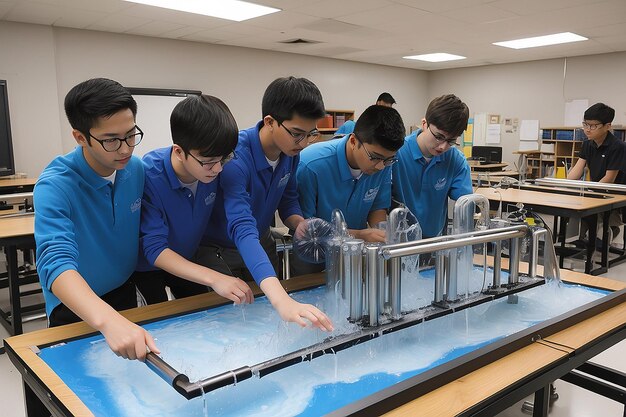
x=333 y=120
x=560 y=147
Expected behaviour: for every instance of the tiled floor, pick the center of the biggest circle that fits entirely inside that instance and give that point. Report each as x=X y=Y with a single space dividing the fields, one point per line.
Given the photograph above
x=573 y=401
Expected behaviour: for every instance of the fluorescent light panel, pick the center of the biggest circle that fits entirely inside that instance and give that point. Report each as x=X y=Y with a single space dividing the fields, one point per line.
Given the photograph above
x=554 y=39
x=224 y=9
x=437 y=57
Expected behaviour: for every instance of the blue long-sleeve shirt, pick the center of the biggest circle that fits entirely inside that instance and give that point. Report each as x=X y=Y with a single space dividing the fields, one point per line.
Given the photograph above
x=326 y=183
x=85 y=223
x=249 y=194
x=424 y=187
x=171 y=217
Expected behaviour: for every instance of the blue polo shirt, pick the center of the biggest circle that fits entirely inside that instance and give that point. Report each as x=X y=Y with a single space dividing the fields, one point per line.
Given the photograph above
x=249 y=194
x=326 y=183
x=347 y=127
x=171 y=217
x=424 y=187
x=85 y=223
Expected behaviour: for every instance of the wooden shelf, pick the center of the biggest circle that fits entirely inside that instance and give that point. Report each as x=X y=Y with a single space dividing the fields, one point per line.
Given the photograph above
x=333 y=120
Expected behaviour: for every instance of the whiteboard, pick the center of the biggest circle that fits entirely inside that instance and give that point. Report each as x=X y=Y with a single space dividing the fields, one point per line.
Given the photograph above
x=153 y=118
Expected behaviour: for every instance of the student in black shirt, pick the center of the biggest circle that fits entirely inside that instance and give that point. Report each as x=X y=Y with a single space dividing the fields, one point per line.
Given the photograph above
x=602 y=153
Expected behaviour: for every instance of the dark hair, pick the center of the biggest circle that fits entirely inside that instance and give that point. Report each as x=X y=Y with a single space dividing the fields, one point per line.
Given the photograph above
x=204 y=123
x=382 y=126
x=386 y=97
x=95 y=98
x=287 y=96
x=600 y=112
x=449 y=114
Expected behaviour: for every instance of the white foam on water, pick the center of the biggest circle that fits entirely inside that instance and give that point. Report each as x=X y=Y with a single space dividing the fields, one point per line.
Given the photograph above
x=217 y=341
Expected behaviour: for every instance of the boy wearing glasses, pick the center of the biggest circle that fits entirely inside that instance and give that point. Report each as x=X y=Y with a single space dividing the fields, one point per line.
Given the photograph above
x=603 y=154
x=260 y=181
x=430 y=168
x=87 y=218
x=352 y=174
x=179 y=195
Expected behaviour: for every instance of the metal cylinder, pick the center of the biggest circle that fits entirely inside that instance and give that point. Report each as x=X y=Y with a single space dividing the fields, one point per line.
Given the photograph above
x=497 y=264
x=372 y=276
x=440 y=275
x=395 y=269
x=514 y=258
x=334 y=266
x=353 y=271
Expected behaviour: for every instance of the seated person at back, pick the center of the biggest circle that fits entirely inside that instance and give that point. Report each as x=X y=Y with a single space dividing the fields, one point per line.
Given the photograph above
x=260 y=181
x=384 y=99
x=352 y=174
x=603 y=154
x=430 y=168
x=87 y=218
x=179 y=195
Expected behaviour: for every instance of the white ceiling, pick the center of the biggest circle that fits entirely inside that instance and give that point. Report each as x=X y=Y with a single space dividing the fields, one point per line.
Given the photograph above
x=373 y=31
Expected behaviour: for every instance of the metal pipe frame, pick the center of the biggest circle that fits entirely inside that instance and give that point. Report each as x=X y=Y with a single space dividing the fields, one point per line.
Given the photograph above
x=592 y=185
x=451 y=242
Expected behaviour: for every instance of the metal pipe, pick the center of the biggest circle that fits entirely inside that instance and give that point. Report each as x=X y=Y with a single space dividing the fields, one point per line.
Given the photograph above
x=372 y=271
x=514 y=257
x=418 y=247
x=497 y=264
x=440 y=275
x=561 y=182
x=395 y=269
x=353 y=263
x=446 y=238
x=533 y=259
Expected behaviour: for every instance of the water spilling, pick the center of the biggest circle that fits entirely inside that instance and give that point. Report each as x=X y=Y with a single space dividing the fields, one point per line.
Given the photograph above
x=211 y=342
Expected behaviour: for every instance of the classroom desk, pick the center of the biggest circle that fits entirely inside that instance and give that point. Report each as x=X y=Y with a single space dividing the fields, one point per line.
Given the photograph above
x=17 y=185
x=14 y=231
x=493 y=176
x=564 y=206
x=484 y=391
x=488 y=167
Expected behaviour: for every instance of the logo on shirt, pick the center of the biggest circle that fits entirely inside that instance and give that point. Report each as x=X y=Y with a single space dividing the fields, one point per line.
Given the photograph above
x=370 y=195
x=209 y=199
x=440 y=184
x=283 y=180
x=136 y=205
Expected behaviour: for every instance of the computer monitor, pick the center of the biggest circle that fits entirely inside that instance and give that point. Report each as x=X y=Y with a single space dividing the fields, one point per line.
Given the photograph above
x=489 y=154
x=7 y=163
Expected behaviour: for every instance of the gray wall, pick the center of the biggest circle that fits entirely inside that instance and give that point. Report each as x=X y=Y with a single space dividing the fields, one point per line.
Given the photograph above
x=536 y=89
x=42 y=63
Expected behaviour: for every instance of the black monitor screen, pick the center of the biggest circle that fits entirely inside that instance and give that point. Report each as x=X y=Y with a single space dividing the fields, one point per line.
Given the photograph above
x=489 y=154
x=7 y=165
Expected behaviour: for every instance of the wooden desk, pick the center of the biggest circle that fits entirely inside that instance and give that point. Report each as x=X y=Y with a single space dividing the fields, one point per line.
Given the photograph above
x=488 y=167
x=17 y=184
x=485 y=391
x=494 y=176
x=565 y=205
x=15 y=231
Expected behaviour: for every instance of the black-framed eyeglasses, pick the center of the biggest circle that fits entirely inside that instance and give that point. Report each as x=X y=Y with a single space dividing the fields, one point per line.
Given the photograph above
x=377 y=159
x=298 y=137
x=440 y=138
x=113 y=144
x=204 y=164
x=591 y=126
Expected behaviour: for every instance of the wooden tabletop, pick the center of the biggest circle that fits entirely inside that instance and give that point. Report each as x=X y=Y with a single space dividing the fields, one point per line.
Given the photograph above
x=17 y=182
x=14 y=226
x=485 y=167
x=450 y=399
x=545 y=198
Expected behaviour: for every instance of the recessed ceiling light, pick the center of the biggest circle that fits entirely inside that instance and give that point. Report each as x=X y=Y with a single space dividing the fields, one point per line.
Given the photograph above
x=437 y=57
x=554 y=39
x=224 y=9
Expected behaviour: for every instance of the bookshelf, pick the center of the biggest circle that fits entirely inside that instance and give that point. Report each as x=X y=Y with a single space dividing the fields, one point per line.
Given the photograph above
x=333 y=120
x=560 y=147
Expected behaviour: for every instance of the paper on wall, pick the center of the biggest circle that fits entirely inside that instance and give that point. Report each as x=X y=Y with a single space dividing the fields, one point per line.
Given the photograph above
x=529 y=130
x=493 y=133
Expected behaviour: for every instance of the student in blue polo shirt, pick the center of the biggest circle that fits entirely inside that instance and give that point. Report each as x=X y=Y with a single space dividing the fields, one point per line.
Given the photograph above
x=352 y=174
x=88 y=206
x=260 y=181
x=178 y=198
x=384 y=99
x=430 y=168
